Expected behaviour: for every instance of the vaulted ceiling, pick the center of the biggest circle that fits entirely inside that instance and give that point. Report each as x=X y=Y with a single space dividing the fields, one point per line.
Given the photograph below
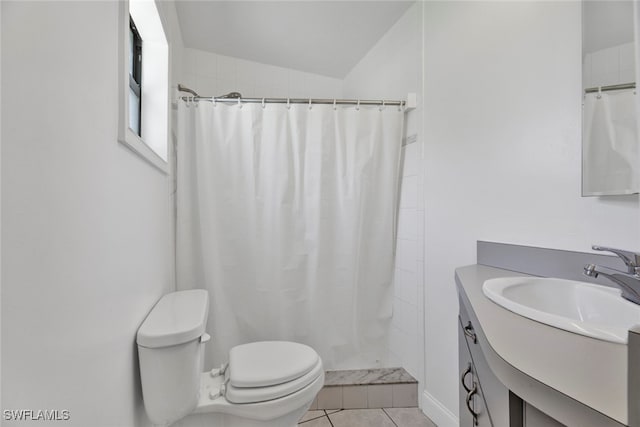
x=323 y=37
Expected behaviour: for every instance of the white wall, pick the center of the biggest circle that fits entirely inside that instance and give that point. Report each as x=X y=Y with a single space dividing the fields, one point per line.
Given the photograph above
x=391 y=70
x=211 y=74
x=502 y=115
x=0 y=214
x=86 y=223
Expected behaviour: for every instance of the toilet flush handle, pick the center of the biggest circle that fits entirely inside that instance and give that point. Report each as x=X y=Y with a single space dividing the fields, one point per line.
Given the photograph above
x=204 y=338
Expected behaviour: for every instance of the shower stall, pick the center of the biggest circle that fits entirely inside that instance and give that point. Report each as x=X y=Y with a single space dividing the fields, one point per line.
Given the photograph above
x=286 y=214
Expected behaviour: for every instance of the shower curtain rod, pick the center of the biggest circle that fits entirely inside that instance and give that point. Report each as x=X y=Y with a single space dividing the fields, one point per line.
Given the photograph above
x=296 y=101
x=236 y=97
x=611 y=87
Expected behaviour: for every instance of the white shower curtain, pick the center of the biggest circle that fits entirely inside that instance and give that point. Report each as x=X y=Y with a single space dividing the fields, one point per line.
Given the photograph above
x=287 y=217
x=610 y=148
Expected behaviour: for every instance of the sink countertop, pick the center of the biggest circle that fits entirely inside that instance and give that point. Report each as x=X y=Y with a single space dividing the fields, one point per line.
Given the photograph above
x=590 y=371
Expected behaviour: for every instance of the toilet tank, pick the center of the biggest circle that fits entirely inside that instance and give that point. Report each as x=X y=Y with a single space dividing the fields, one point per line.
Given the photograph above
x=170 y=350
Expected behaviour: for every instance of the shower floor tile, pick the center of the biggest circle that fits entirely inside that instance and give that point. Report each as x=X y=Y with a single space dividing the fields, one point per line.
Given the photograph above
x=387 y=417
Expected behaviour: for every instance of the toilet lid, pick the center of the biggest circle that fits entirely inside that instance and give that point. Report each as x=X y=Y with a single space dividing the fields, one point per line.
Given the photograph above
x=263 y=394
x=267 y=363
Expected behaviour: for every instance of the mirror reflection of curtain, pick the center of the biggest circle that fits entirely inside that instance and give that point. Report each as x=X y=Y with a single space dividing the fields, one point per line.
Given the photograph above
x=287 y=217
x=610 y=149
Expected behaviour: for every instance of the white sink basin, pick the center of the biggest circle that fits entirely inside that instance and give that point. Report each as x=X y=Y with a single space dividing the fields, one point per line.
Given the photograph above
x=583 y=308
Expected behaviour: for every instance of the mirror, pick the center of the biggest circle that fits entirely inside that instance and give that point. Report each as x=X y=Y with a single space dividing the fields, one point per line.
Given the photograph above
x=610 y=137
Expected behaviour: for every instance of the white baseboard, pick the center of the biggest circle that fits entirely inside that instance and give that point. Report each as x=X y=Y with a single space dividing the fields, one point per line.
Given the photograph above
x=438 y=413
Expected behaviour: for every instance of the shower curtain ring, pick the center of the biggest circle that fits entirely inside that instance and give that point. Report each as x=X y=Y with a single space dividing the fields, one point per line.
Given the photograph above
x=382 y=106
x=309 y=103
x=334 y=104
x=288 y=103
x=239 y=102
x=213 y=99
x=263 y=104
x=358 y=106
x=599 y=92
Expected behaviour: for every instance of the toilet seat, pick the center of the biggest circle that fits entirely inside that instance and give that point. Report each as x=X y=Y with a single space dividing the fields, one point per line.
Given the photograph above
x=267 y=410
x=265 y=363
x=268 y=370
x=262 y=394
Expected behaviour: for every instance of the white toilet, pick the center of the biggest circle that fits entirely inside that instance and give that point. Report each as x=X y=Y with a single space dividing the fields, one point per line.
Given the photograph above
x=265 y=384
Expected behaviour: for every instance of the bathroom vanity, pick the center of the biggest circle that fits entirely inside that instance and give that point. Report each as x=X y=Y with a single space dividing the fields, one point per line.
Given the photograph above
x=518 y=372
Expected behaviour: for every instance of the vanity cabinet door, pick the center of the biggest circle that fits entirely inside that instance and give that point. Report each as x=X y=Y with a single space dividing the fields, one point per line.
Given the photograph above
x=496 y=395
x=479 y=404
x=466 y=381
x=473 y=408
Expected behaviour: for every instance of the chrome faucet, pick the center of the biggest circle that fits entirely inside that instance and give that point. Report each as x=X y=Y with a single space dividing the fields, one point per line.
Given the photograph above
x=629 y=281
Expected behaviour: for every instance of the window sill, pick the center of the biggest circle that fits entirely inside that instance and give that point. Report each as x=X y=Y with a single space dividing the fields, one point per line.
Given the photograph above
x=138 y=146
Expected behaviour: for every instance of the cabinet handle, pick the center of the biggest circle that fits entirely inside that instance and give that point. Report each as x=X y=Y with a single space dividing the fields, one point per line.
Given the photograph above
x=473 y=391
x=468 y=331
x=464 y=376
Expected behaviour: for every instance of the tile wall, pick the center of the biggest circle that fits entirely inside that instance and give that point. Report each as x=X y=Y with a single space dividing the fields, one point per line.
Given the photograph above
x=405 y=339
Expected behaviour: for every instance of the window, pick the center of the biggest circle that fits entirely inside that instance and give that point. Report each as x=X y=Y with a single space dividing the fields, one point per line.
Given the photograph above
x=135 y=78
x=143 y=121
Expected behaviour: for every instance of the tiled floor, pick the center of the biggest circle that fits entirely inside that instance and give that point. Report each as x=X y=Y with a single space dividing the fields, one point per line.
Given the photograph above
x=387 y=417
